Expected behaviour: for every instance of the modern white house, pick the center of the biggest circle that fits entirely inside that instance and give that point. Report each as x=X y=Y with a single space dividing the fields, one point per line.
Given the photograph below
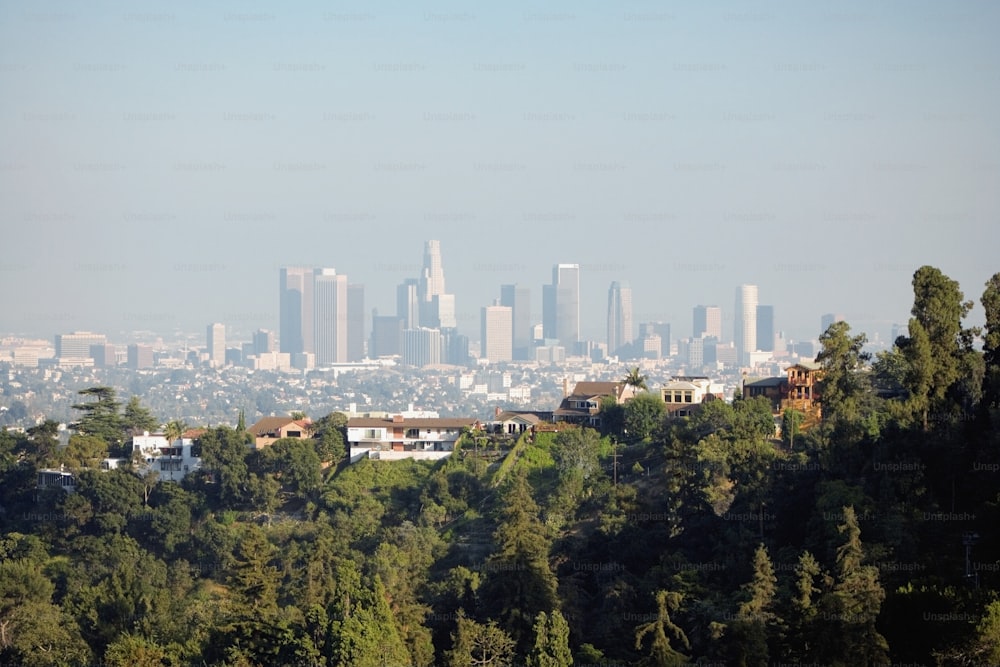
x=152 y=452
x=398 y=437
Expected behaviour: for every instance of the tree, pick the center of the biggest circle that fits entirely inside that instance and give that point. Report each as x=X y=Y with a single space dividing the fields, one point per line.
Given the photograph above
x=842 y=359
x=791 y=423
x=576 y=450
x=937 y=347
x=991 y=342
x=83 y=451
x=858 y=597
x=137 y=418
x=131 y=650
x=480 y=645
x=755 y=615
x=635 y=379
x=101 y=418
x=661 y=653
x=643 y=415
x=174 y=430
x=520 y=580
x=551 y=647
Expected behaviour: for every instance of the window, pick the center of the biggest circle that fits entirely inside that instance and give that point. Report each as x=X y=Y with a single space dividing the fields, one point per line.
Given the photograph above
x=372 y=434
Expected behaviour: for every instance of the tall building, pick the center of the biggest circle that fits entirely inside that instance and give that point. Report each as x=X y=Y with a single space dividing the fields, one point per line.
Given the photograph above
x=104 y=355
x=745 y=323
x=263 y=341
x=139 y=356
x=518 y=299
x=330 y=317
x=496 y=326
x=421 y=347
x=408 y=303
x=296 y=310
x=436 y=306
x=387 y=336
x=765 y=328
x=561 y=305
x=215 y=337
x=76 y=345
x=356 y=319
x=707 y=322
x=620 y=330
x=829 y=318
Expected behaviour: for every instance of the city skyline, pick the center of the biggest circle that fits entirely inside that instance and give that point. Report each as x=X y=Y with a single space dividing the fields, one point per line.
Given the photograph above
x=767 y=153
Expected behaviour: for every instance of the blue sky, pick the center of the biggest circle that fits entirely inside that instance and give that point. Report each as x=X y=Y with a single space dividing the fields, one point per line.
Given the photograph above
x=159 y=162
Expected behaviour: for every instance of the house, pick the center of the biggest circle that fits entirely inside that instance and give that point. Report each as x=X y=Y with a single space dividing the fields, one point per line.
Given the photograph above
x=683 y=394
x=516 y=422
x=396 y=437
x=53 y=478
x=583 y=405
x=269 y=429
x=798 y=390
x=172 y=461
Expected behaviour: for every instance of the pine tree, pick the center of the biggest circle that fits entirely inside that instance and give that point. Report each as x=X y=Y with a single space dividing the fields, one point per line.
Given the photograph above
x=755 y=615
x=661 y=653
x=551 y=642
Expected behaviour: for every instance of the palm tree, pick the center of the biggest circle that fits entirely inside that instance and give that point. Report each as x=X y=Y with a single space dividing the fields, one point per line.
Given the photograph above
x=174 y=430
x=635 y=379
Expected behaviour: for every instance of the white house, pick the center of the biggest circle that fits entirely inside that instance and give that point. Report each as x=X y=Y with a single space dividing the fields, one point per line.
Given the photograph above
x=401 y=437
x=152 y=452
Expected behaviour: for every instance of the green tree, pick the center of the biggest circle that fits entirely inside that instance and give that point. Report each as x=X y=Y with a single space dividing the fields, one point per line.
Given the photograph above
x=174 y=430
x=551 y=647
x=577 y=450
x=224 y=454
x=480 y=645
x=661 y=653
x=131 y=650
x=635 y=379
x=83 y=451
x=137 y=418
x=842 y=359
x=791 y=424
x=756 y=618
x=102 y=417
x=991 y=342
x=643 y=415
x=858 y=598
x=520 y=581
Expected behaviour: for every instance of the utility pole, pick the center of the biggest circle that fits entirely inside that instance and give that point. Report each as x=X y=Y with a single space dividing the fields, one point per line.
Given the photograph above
x=614 y=459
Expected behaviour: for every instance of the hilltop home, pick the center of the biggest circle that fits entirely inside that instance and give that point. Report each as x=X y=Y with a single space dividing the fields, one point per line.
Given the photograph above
x=798 y=390
x=683 y=394
x=269 y=429
x=401 y=437
x=583 y=405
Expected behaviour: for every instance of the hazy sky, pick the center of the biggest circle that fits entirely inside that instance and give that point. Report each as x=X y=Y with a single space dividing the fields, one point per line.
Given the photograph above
x=160 y=161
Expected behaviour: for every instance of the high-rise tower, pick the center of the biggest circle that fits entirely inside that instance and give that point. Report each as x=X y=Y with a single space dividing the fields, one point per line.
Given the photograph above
x=518 y=299
x=215 y=337
x=765 y=328
x=330 y=316
x=497 y=341
x=620 y=332
x=295 y=303
x=745 y=323
x=707 y=322
x=561 y=305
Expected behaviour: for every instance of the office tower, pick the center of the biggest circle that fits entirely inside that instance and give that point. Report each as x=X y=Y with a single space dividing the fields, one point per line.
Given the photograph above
x=408 y=303
x=696 y=352
x=421 y=347
x=745 y=323
x=829 y=318
x=496 y=327
x=215 y=337
x=356 y=322
x=707 y=322
x=518 y=299
x=76 y=345
x=295 y=328
x=443 y=312
x=330 y=317
x=620 y=332
x=662 y=329
x=263 y=341
x=561 y=305
x=104 y=356
x=436 y=307
x=387 y=336
x=139 y=356
x=765 y=328
x=455 y=347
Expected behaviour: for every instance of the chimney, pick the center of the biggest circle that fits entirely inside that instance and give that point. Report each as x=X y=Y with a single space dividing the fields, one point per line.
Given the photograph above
x=497 y=411
x=565 y=386
x=397 y=419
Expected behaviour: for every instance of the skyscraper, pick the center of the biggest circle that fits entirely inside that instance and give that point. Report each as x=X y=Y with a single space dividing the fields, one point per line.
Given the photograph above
x=355 y=322
x=421 y=347
x=387 y=336
x=330 y=317
x=496 y=327
x=263 y=341
x=436 y=306
x=765 y=328
x=707 y=322
x=620 y=331
x=76 y=345
x=561 y=305
x=745 y=323
x=408 y=303
x=215 y=337
x=296 y=310
x=518 y=299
